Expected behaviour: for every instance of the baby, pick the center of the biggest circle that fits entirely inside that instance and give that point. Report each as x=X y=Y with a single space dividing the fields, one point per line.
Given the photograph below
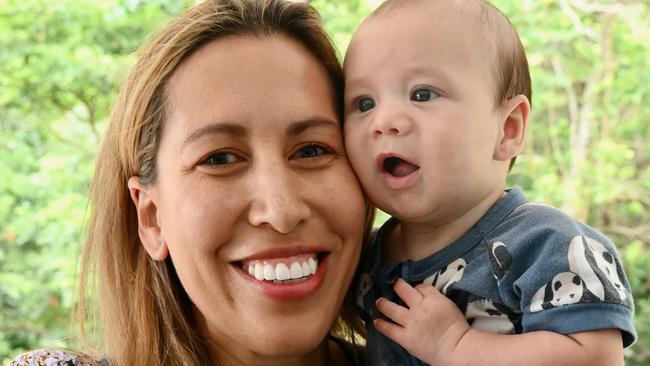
x=437 y=105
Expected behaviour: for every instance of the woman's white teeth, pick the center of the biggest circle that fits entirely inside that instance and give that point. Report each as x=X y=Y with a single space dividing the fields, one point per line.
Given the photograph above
x=313 y=263
x=296 y=270
x=259 y=272
x=269 y=273
x=282 y=272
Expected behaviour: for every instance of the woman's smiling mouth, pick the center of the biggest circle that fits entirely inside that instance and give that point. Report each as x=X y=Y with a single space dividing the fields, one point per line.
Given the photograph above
x=285 y=276
x=283 y=270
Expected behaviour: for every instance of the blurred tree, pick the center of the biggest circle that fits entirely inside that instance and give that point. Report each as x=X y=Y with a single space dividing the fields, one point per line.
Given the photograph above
x=342 y=18
x=59 y=66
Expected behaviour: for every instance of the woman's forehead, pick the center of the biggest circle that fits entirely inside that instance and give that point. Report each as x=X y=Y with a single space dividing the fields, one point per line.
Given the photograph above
x=251 y=82
x=243 y=57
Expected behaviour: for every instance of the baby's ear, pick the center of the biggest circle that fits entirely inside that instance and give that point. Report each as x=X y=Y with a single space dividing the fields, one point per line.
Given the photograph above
x=147 y=209
x=513 y=115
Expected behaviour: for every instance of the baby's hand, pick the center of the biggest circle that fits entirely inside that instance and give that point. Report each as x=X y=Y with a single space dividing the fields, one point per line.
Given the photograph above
x=429 y=327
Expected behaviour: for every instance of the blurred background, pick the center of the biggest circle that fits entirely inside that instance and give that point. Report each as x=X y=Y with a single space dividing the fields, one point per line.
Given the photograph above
x=62 y=62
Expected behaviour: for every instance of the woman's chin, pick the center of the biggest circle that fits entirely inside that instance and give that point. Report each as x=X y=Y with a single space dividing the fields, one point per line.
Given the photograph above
x=291 y=340
x=283 y=337
x=276 y=347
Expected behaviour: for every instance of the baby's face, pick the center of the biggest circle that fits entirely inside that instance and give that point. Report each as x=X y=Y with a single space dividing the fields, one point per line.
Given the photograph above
x=420 y=121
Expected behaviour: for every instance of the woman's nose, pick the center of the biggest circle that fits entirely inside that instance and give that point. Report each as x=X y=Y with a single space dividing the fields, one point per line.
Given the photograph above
x=390 y=120
x=277 y=200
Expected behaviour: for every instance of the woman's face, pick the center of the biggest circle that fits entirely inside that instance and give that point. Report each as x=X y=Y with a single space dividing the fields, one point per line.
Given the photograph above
x=253 y=184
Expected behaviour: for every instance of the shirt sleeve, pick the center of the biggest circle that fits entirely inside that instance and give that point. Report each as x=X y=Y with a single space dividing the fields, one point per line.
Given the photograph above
x=566 y=277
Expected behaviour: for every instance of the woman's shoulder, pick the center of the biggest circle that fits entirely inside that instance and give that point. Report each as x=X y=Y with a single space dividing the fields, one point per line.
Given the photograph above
x=55 y=357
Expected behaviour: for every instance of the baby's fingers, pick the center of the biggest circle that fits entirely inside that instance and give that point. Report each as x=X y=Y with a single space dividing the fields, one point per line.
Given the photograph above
x=392 y=311
x=427 y=290
x=407 y=293
x=390 y=330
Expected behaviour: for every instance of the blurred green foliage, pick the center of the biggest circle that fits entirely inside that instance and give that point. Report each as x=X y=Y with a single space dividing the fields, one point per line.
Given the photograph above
x=60 y=67
x=62 y=62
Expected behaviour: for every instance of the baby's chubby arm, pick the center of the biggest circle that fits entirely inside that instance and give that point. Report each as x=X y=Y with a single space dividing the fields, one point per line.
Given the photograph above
x=434 y=330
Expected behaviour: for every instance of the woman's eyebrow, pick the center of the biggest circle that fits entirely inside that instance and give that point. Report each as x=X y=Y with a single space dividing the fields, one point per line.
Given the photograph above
x=299 y=127
x=215 y=128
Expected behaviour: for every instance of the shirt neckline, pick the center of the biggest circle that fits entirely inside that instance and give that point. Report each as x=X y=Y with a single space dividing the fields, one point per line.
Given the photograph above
x=420 y=269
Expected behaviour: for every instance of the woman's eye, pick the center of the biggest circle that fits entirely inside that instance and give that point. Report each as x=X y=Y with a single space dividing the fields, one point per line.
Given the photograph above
x=220 y=159
x=365 y=104
x=311 y=151
x=423 y=95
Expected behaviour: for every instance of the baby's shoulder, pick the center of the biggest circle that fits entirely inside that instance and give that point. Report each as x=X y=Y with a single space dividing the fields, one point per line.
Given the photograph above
x=540 y=222
x=55 y=357
x=538 y=232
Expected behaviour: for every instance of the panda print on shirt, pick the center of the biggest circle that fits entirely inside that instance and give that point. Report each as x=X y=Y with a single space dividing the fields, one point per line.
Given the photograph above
x=500 y=260
x=483 y=314
x=592 y=277
x=597 y=267
x=565 y=288
x=447 y=275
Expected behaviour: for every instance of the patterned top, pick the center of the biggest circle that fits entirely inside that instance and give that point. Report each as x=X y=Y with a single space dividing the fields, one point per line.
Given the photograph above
x=521 y=268
x=52 y=357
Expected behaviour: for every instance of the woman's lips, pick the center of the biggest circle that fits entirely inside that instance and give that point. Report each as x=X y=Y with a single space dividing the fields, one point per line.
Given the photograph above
x=285 y=278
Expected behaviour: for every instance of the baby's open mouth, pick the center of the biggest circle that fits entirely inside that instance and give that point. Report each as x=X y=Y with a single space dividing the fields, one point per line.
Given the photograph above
x=398 y=167
x=286 y=270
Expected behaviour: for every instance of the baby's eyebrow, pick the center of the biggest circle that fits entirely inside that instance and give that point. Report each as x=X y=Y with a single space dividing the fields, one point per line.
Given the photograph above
x=357 y=82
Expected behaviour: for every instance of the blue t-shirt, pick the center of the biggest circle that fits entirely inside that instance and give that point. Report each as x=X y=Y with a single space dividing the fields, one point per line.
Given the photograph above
x=522 y=267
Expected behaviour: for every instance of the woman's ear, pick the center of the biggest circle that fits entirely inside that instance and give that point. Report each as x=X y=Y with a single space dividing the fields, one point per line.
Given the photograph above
x=512 y=130
x=147 y=210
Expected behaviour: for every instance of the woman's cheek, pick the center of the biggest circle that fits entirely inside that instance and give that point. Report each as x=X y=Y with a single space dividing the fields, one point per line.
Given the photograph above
x=201 y=219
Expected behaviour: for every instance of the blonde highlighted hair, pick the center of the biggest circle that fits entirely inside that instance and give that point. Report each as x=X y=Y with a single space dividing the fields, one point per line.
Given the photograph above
x=147 y=316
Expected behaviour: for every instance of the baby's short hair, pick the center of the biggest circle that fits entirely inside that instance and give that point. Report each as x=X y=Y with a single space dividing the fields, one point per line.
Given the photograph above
x=510 y=65
x=511 y=71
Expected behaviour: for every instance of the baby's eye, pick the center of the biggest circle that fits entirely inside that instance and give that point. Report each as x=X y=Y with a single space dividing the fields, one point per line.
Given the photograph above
x=365 y=104
x=311 y=151
x=423 y=95
x=221 y=159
